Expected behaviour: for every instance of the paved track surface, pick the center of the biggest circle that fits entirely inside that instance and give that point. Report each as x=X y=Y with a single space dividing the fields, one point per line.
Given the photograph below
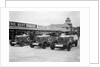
x=37 y=54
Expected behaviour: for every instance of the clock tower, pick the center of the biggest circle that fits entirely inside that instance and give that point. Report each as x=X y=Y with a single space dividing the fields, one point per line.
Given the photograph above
x=68 y=21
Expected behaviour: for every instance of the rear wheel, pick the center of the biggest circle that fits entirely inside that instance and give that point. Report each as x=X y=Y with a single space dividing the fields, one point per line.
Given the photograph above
x=44 y=45
x=52 y=46
x=11 y=43
x=69 y=47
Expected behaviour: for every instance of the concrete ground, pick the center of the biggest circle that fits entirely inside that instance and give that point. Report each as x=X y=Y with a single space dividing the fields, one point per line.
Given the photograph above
x=37 y=54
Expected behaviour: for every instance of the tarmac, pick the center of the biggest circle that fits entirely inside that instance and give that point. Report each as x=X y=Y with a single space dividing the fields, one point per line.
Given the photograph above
x=38 y=54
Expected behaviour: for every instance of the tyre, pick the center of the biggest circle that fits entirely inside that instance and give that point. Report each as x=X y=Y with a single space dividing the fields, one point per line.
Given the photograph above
x=31 y=45
x=52 y=46
x=11 y=43
x=69 y=46
x=76 y=43
x=44 y=45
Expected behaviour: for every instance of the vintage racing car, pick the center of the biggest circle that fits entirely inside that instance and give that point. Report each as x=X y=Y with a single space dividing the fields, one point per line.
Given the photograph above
x=62 y=41
x=40 y=40
x=20 y=40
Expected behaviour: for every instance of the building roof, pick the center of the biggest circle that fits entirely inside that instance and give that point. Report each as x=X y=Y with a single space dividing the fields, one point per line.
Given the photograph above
x=59 y=25
x=53 y=27
x=40 y=29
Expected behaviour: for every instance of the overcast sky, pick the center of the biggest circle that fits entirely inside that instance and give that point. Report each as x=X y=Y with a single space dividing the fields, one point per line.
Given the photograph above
x=45 y=17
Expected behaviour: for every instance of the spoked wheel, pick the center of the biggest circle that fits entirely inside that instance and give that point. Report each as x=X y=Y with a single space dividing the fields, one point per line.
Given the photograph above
x=11 y=43
x=52 y=46
x=69 y=47
x=44 y=45
x=31 y=44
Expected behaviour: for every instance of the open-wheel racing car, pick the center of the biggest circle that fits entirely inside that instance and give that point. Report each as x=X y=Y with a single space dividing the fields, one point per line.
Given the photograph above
x=40 y=40
x=20 y=40
x=63 y=41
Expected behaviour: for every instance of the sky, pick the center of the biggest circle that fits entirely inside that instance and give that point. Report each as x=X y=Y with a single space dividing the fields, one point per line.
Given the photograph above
x=45 y=17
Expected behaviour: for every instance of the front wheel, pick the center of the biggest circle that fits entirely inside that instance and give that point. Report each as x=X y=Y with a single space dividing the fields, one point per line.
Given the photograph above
x=31 y=44
x=52 y=46
x=69 y=47
x=44 y=45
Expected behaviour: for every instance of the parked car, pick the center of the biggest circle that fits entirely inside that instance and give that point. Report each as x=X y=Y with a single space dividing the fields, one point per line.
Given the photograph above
x=62 y=41
x=40 y=40
x=20 y=40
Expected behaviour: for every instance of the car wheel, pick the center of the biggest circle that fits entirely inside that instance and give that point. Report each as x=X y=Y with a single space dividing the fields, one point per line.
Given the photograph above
x=52 y=46
x=31 y=44
x=12 y=43
x=44 y=45
x=76 y=43
x=69 y=47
